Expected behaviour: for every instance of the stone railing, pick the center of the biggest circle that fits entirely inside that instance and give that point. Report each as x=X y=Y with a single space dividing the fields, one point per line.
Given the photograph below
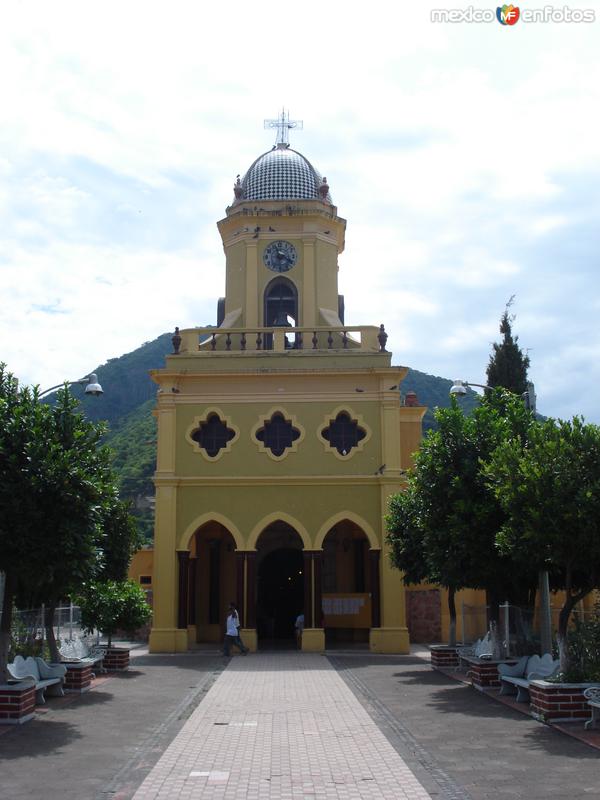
x=362 y=338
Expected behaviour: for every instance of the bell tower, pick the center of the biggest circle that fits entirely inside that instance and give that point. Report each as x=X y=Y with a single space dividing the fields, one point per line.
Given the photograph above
x=282 y=237
x=281 y=437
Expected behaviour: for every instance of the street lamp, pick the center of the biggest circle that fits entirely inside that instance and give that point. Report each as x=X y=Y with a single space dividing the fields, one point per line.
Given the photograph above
x=92 y=387
x=459 y=389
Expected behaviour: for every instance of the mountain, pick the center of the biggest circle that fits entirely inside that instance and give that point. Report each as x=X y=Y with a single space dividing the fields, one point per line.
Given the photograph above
x=129 y=397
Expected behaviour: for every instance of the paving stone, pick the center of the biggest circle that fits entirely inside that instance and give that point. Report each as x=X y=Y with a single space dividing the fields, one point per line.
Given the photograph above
x=293 y=717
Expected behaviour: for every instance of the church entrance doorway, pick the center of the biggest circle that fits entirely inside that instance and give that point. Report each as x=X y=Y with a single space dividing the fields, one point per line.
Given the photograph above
x=280 y=585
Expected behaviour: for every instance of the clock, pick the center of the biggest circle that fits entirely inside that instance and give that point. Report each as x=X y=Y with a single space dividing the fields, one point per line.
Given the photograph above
x=280 y=256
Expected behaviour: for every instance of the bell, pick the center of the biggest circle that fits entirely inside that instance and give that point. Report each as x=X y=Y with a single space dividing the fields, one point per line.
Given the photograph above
x=281 y=320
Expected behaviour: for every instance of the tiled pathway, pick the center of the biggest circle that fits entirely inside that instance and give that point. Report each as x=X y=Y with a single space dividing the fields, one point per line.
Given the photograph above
x=280 y=727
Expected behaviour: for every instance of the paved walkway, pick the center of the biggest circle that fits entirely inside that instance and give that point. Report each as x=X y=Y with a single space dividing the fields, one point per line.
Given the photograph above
x=281 y=726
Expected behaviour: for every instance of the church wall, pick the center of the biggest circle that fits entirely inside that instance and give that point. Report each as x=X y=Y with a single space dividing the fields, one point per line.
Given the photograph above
x=312 y=456
x=247 y=505
x=326 y=276
x=235 y=277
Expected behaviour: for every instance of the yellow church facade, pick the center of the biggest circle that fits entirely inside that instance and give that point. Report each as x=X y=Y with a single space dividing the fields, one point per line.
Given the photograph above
x=281 y=436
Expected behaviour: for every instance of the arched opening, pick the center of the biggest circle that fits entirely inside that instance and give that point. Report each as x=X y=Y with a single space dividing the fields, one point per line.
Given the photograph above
x=212 y=583
x=280 y=585
x=280 y=308
x=346 y=585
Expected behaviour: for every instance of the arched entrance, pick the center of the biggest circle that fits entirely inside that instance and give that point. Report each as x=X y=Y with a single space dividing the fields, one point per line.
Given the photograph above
x=212 y=580
x=350 y=594
x=280 y=585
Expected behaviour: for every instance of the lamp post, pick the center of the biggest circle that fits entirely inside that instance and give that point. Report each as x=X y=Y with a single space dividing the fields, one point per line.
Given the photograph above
x=459 y=389
x=92 y=387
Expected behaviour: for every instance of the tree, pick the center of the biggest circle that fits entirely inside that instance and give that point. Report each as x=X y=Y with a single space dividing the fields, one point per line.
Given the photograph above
x=549 y=489
x=444 y=529
x=508 y=364
x=23 y=429
x=109 y=606
x=56 y=490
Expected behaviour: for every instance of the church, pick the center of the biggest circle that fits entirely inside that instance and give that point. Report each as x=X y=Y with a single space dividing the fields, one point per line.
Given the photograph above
x=282 y=433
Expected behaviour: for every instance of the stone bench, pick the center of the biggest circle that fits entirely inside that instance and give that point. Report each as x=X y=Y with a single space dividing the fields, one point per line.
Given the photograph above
x=516 y=678
x=78 y=651
x=592 y=695
x=481 y=649
x=47 y=677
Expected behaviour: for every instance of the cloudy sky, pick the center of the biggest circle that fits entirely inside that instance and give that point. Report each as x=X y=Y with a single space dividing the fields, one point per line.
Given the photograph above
x=465 y=157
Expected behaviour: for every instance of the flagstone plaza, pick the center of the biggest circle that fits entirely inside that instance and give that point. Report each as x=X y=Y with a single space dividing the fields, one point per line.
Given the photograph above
x=291 y=725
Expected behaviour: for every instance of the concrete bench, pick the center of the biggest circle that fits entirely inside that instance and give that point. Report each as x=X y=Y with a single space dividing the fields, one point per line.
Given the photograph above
x=46 y=676
x=516 y=678
x=592 y=695
x=481 y=649
x=79 y=651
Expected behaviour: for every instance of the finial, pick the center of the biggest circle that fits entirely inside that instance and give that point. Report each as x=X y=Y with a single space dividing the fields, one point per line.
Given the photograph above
x=324 y=189
x=382 y=338
x=237 y=188
x=176 y=340
x=283 y=124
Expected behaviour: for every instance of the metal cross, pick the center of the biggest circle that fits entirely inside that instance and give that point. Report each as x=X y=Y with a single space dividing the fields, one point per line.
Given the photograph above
x=283 y=124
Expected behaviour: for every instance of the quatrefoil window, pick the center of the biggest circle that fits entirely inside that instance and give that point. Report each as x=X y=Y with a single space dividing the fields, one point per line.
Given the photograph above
x=277 y=434
x=343 y=433
x=213 y=435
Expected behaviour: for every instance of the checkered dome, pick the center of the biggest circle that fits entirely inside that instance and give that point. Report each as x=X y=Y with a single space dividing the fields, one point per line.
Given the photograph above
x=281 y=174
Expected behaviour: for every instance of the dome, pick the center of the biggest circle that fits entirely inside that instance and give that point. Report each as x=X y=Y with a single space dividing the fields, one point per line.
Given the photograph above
x=283 y=174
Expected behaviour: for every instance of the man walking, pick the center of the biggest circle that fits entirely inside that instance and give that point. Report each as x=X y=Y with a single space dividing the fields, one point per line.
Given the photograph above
x=232 y=632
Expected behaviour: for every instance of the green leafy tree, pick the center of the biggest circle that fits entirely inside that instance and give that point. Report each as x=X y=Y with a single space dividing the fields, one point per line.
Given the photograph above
x=60 y=518
x=549 y=489
x=508 y=364
x=109 y=606
x=444 y=529
x=118 y=536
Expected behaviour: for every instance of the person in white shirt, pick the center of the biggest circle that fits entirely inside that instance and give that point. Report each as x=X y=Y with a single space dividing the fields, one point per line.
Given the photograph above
x=232 y=633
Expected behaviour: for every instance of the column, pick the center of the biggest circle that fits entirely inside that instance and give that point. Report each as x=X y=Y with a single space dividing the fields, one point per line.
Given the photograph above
x=251 y=589
x=182 y=609
x=318 y=586
x=192 y=567
x=308 y=614
x=240 y=559
x=313 y=637
x=374 y=558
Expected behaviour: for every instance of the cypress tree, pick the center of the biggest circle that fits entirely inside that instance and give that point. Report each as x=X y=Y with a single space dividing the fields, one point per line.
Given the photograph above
x=508 y=363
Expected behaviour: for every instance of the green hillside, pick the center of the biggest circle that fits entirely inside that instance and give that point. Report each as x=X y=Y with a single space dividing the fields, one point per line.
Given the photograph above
x=129 y=397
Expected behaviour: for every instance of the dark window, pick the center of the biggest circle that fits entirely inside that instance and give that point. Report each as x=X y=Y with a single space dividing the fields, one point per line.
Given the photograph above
x=278 y=434
x=213 y=435
x=145 y=580
x=343 y=433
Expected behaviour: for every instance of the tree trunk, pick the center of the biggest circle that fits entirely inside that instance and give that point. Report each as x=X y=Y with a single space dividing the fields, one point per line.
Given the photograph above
x=562 y=635
x=493 y=602
x=5 y=626
x=452 y=610
x=50 y=637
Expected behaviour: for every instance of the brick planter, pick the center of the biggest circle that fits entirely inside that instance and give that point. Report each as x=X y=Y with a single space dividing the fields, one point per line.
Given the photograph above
x=17 y=703
x=559 y=702
x=483 y=673
x=116 y=659
x=78 y=678
x=443 y=656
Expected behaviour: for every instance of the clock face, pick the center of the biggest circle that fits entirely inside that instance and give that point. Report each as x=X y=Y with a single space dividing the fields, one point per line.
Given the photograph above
x=280 y=256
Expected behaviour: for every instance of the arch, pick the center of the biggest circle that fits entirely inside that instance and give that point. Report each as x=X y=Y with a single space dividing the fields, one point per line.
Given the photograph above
x=285 y=301
x=274 y=517
x=374 y=542
x=210 y=516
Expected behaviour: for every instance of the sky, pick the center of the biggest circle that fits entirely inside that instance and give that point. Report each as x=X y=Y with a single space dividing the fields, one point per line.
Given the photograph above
x=465 y=157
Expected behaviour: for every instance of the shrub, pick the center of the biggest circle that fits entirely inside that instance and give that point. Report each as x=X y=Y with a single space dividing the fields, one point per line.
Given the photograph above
x=109 y=606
